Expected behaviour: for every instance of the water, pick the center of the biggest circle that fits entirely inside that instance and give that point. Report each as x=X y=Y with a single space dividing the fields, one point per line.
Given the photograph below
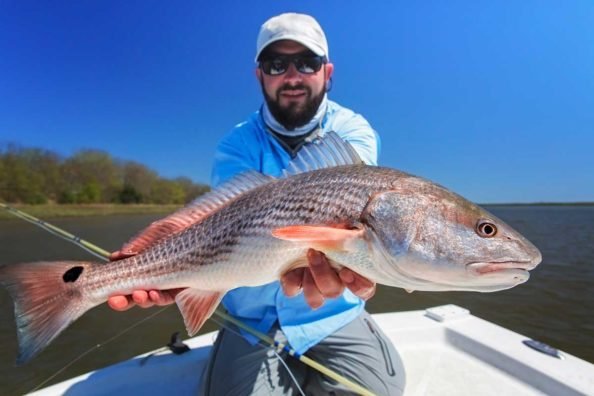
x=556 y=306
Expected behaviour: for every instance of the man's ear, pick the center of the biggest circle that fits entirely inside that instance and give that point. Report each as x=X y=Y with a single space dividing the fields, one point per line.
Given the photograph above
x=329 y=71
x=258 y=73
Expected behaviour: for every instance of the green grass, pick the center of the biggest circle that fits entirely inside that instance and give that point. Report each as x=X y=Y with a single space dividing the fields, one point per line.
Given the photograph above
x=74 y=210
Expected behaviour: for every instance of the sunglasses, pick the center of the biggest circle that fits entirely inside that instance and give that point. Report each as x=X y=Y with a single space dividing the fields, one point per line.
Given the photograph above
x=276 y=65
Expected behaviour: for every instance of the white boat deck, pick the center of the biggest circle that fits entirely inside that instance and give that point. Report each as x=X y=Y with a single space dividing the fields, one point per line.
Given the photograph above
x=444 y=350
x=465 y=355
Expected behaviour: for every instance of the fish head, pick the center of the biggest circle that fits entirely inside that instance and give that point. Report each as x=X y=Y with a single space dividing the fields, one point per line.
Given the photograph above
x=425 y=237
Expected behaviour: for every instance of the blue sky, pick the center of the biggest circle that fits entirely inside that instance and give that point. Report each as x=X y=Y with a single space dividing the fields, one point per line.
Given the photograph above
x=494 y=100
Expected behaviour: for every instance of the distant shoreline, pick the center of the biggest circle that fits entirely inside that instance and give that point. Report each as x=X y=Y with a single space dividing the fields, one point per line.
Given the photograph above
x=46 y=211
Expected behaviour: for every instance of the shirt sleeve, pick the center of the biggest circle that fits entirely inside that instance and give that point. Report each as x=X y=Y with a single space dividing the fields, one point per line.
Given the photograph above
x=231 y=158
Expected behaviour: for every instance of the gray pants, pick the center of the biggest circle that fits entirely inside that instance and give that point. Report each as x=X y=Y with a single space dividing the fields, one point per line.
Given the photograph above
x=359 y=351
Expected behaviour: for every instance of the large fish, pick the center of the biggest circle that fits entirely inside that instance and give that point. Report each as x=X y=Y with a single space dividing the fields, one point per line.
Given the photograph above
x=391 y=227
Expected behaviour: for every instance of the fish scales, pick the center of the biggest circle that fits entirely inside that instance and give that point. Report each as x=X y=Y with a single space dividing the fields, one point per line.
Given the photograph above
x=328 y=196
x=391 y=227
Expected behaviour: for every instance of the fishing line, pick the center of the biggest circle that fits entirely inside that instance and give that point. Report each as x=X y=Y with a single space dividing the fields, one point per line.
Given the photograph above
x=95 y=347
x=90 y=248
x=228 y=327
x=104 y=254
x=288 y=371
x=302 y=358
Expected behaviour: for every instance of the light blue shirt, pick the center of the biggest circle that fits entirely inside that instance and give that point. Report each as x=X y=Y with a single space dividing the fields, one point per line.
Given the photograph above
x=249 y=146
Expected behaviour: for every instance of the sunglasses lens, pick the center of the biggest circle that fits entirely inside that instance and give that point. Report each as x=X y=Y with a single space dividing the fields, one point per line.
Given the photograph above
x=309 y=65
x=275 y=66
x=278 y=65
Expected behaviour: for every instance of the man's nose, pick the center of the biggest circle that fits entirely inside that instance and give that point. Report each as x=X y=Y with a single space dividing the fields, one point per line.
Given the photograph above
x=292 y=73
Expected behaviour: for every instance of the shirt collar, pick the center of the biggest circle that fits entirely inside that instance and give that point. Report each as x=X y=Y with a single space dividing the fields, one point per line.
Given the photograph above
x=314 y=123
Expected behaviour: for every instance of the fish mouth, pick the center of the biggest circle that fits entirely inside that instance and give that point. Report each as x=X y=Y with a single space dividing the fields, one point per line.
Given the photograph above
x=501 y=267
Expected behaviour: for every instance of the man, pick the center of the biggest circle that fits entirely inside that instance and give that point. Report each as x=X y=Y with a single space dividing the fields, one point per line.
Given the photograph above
x=294 y=73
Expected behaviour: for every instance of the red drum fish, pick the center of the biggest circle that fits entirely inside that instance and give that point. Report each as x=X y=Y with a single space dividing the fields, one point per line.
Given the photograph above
x=394 y=228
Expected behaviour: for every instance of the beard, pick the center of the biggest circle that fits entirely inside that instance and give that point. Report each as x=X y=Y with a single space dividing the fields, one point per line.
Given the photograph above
x=293 y=115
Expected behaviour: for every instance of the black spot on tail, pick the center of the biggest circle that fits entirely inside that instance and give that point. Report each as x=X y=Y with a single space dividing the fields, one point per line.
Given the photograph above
x=72 y=274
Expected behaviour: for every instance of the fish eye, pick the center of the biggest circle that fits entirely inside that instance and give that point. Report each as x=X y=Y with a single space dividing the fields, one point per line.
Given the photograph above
x=486 y=229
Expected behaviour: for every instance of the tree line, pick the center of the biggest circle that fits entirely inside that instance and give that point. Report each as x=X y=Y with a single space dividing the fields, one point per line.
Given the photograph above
x=38 y=176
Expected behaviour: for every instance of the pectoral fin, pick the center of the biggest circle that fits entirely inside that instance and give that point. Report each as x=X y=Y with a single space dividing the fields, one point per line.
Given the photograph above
x=196 y=306
x=320 y=237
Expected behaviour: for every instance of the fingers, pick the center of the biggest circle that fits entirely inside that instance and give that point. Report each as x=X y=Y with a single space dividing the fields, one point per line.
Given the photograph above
x=115 y=256
x=312 y=294
x=291 y=282
x=119 y=255
x=163 y=297
x=326 y=279
x=120 y=303
x=301 y=279
x=143 y=298
x=359 y=285
x=320 y=281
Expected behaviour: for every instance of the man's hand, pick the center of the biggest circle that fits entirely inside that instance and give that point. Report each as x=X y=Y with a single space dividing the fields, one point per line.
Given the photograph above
x=143 y=298
x=320 y=281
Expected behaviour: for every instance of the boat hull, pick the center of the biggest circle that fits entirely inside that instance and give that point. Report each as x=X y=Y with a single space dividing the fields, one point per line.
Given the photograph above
x=445 y=350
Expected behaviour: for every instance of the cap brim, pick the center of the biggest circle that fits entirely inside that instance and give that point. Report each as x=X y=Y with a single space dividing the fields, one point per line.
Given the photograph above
x=310 y=45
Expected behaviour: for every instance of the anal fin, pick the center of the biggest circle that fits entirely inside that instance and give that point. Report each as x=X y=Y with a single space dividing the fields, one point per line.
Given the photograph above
x=196 y=306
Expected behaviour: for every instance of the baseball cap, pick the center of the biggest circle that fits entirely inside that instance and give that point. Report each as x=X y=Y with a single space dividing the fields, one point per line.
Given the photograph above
x=301 y=28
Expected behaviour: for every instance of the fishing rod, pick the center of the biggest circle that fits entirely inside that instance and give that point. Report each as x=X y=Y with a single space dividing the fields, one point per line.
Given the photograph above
x=104 y=255
x=52 y=229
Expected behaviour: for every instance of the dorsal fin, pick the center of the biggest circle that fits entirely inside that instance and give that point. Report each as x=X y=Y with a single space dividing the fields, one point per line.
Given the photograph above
x=323 y=152
x=193 y=212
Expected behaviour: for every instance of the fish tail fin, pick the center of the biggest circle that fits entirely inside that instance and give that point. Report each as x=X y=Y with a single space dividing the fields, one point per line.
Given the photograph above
x=47 y=297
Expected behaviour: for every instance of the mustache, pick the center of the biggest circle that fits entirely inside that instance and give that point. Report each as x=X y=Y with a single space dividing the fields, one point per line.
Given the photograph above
x=290 y=87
